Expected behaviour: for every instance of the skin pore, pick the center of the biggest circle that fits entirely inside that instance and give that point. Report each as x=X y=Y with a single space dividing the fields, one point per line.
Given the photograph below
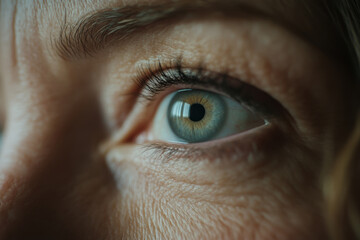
x=82 y=156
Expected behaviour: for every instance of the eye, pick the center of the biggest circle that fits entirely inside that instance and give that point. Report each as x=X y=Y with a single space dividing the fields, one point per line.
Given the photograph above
x=194 y=116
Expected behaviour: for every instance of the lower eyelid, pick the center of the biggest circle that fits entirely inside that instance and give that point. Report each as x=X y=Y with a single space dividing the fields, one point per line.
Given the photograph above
x=240 y=146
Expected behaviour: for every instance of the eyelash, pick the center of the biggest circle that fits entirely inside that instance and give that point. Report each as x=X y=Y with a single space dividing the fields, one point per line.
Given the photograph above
x=155 y=79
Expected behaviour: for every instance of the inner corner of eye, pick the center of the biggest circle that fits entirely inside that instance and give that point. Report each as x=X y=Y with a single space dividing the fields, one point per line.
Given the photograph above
x=195 y=116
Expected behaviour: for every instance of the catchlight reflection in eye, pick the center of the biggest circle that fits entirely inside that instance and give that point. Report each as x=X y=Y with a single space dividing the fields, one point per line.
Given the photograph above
x=193 y=116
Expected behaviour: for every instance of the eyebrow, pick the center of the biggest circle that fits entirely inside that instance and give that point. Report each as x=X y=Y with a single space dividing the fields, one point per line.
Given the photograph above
x=99 y=29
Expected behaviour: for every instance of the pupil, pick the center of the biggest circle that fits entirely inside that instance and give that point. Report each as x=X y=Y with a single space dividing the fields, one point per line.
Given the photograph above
x=197 y=112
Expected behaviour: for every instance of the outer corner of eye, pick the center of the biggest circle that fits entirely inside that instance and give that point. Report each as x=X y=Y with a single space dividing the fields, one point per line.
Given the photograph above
x=195 y=116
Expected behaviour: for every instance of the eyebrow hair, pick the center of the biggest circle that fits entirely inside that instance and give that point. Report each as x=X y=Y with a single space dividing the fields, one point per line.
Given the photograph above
x=96 y=30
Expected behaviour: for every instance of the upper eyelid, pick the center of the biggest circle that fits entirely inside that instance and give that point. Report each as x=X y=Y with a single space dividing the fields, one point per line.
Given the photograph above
x=173 y=72
x=152 y=81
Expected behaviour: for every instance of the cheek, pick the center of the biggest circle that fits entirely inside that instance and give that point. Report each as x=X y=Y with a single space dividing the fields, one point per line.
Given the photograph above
x=158 y=201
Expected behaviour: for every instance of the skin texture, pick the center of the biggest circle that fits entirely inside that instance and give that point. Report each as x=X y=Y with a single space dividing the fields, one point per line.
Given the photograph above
x=75 y=160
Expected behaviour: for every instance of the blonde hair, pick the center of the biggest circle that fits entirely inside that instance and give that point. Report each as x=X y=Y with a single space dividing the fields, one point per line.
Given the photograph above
x=342 y=182
x=342 y=192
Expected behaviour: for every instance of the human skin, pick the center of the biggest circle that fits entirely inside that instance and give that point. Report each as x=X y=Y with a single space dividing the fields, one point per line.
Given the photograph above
x=73 y=164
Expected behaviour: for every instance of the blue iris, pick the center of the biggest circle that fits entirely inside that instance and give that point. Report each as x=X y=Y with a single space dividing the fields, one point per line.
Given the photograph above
x=196 y=115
